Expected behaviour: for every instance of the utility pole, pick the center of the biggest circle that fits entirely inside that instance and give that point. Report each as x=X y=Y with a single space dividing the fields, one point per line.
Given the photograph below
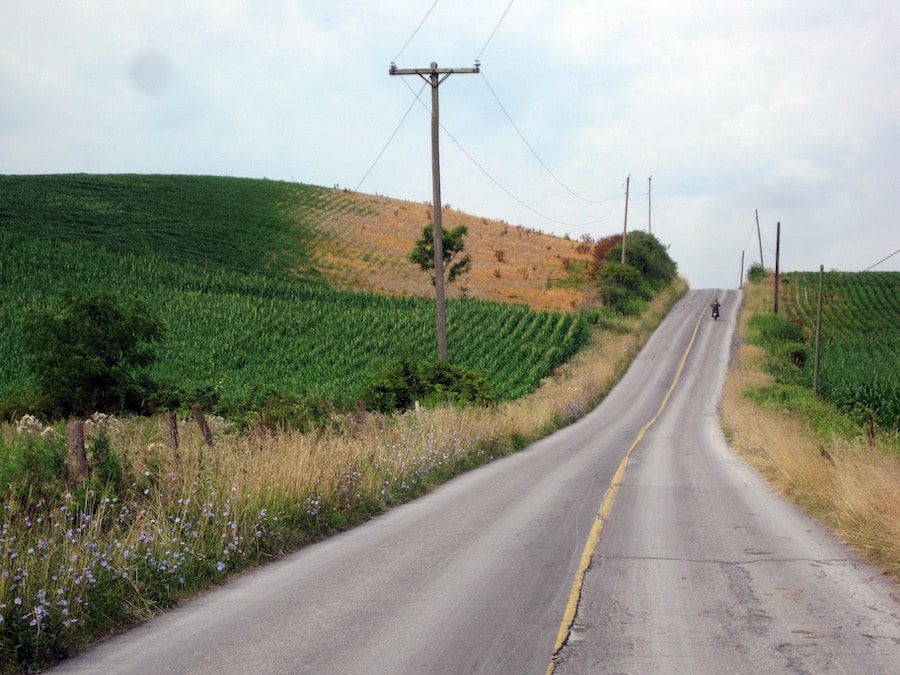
x=625 y=228
x=435 y=76
x=650 y=205
x=759 y=237
x=777 y=262
x=741 y=278
x=818 y=332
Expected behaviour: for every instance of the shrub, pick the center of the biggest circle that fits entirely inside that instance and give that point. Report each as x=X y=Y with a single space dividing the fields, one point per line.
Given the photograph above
x=646 y=270
x=620 y=286
x=33 y=465
x=756 y=273
x=91 y=356
x=431 y=382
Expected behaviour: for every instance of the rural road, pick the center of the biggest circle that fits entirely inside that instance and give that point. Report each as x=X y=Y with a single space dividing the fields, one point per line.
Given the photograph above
x=535 y=564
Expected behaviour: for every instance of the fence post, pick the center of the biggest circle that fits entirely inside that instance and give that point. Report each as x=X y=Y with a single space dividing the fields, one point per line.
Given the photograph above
x=78 y=464
x=818 y=332
x=201 y=422
x=172 y=422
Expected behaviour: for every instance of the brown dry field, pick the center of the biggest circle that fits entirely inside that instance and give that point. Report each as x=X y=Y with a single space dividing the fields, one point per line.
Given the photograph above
x=365 y=239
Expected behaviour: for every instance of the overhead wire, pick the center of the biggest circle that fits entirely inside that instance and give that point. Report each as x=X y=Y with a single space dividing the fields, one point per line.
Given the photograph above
x=417 y=97
x=390 y=140
x=886 y=258
x=511 y=195
x=496 y=28
x=534 y=152
x=421 y=23
x=499 y=184
x=749 y=237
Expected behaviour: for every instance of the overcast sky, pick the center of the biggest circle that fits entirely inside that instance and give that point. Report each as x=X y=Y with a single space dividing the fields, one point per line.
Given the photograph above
x=788 y=107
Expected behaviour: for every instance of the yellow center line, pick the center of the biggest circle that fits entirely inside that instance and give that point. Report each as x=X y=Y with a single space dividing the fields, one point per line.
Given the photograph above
x=604 y=511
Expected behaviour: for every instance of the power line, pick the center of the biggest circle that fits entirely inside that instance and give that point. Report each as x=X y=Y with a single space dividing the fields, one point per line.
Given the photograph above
x=510 y=194
x=421 y=23
x=491 y=36
x=390 y=140
x=500 y=185
x=417 y=97
x=534 y=152
x=882 y=260
x=749 y=237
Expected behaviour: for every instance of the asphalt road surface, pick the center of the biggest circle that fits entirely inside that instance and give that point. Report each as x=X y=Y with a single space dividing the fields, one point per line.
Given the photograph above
x=630 y=541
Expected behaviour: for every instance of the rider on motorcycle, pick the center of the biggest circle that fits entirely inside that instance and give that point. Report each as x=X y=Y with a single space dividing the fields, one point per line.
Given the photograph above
x=715 y=307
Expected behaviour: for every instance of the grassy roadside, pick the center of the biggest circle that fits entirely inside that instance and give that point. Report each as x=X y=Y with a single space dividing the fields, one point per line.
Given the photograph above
x=157 y=528
x=812 y=454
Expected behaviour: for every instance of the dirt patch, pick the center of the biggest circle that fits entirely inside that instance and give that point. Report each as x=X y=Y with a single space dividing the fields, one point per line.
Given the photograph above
x=366 y=240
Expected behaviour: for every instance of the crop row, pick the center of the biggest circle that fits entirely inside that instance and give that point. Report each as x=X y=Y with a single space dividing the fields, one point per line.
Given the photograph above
x=852 y=303
x=860 y=354
x=245 y=335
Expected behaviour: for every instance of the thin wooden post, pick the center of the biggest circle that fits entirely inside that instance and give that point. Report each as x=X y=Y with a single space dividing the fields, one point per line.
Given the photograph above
x=818 y=332
x=201 y=422
x=777 y=263
x=78 y=463
x=762 y=263
x=625 y=225
x=172 y=422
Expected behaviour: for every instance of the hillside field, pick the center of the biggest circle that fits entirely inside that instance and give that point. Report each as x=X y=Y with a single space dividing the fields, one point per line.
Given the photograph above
x=252 y=280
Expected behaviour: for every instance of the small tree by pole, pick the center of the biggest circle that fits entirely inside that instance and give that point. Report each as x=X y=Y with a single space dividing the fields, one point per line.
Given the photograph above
x=453 y=244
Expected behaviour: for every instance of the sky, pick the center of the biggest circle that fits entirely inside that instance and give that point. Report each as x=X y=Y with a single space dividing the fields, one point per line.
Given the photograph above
x=710 y=112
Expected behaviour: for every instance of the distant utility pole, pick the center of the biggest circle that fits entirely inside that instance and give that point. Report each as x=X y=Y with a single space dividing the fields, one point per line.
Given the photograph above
x=818 y=332
x=759 y=237
x=433 y=75
x=625 y=228
x=650 y=205
x=777 y=262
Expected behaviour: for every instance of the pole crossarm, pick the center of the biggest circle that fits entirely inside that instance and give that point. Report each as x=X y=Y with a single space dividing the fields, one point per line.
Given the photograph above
x=432 y=70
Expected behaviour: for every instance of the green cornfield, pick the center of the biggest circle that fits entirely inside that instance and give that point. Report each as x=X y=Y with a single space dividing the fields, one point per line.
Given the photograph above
x=859 y=369
x=210 y=257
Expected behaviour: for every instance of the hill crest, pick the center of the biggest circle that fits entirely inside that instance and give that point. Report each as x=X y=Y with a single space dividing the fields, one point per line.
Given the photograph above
x=364 y=241
x=354 y=241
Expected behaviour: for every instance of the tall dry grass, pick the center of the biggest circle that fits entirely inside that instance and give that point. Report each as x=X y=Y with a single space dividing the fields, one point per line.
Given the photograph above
x=850 y=484
x=79 y=563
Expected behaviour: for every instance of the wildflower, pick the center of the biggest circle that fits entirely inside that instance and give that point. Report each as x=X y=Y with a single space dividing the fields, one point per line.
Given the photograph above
x=220 y=566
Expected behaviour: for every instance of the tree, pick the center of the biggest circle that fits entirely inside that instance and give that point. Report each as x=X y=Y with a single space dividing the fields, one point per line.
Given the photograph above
x=454 y=244
x=93 y=354
x=648 y=256
x=646 y=270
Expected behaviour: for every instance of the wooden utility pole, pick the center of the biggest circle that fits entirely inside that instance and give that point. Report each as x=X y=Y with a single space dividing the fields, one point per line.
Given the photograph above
x=777 y=262
x=759 y=237
x=741 y=278
x=818 y=332
x=435 y=76
x=625 y=228
x=650 y=205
